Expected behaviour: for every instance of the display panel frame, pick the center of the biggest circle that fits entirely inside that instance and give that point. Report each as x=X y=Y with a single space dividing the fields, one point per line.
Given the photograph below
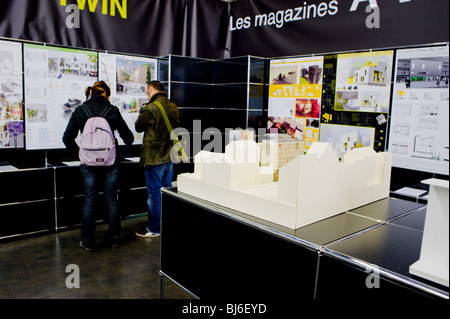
x=11 y=95
x=419 y=121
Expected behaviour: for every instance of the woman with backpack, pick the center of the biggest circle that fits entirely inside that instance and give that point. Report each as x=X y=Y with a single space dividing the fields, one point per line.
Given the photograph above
x=98 y=167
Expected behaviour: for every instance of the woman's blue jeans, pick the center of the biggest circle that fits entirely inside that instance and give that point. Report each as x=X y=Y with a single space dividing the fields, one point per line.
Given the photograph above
x=93 y=178
x=156 y=176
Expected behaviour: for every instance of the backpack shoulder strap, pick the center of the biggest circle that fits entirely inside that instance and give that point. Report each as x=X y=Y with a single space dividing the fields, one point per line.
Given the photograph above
x=86 y=110
x=166 y=119
x=105 y=111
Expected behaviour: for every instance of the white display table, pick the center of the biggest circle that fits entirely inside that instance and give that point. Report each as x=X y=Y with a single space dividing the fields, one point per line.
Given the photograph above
x=433 y=263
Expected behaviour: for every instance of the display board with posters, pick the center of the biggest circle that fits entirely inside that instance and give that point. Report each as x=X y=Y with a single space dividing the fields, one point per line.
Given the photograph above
x=11 y=95
x=419 y=128
x=358 y=113
x=295 y=92
x=55 y=80
x=127 y=76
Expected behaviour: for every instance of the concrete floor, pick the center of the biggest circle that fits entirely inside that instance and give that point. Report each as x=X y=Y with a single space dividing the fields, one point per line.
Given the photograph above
x=35 y=268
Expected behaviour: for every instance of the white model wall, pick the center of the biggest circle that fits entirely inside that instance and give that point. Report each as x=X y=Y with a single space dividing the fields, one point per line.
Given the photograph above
x=311 y=187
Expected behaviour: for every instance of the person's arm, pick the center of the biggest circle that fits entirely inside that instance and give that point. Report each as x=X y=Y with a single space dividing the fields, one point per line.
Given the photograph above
x=144 y=120
x=70 y=134
x=124 y=131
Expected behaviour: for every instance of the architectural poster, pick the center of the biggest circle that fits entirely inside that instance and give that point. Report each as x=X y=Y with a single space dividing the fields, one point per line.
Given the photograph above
x=11 y=95
x=127 y=76
x=357 y=90
x=419 y=126
x=295 y=93
x=363 y=81
x=55 y=80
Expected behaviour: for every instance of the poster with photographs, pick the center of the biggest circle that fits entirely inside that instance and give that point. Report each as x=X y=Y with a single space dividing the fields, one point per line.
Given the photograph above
x=419 y=126
x=363 y=82
x=127 y=76
x=295 y=93
x=55 y=81
x=356 y=95
x=11 y=96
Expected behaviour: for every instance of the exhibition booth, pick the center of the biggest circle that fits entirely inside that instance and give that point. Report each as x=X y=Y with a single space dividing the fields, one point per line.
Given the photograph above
x=322 y=172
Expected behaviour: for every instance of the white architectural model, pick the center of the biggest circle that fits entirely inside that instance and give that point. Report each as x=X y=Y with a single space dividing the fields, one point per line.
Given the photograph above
x=276 y=153
x=311 y=187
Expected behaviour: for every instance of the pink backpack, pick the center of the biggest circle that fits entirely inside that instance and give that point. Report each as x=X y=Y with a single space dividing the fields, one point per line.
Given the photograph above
x=97 y=144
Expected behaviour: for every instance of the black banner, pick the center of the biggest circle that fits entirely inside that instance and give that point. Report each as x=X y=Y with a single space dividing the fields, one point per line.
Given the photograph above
x=219 y=28
x=270 y=28
x=150 y=27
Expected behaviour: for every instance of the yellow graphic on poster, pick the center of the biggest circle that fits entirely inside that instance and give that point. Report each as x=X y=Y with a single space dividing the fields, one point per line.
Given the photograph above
x=296 y=91
x=295 y=94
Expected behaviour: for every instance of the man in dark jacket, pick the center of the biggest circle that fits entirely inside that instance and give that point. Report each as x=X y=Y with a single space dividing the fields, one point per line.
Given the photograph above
x=93 y=176
x=155 y=152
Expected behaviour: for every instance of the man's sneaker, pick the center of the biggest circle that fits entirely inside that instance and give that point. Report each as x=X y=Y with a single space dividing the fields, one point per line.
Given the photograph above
x=84 y=247
x=147 y=234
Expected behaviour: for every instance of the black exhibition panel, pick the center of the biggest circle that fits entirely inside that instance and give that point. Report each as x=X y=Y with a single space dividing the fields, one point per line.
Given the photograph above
x=27 y=201
x=29 y=218
x=191 y=95
x=386 y=252
x=215 y=96
x=226 y=259
x=237 y=255
x=230 y=96
x=68 y=181
x=189 y=70
x=387 y=209
x=213 y=118
x=21 y=158
x=47 y=199
x=26 y=185
x=132 y=193
x=232 y=70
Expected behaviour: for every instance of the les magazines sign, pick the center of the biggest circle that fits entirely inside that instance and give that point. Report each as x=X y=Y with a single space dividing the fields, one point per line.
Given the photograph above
x=295 y=27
